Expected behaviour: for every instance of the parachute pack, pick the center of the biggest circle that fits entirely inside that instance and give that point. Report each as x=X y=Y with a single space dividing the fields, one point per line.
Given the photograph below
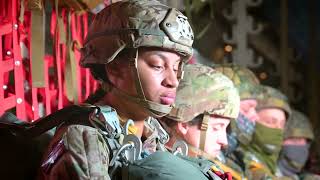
x=127 y=158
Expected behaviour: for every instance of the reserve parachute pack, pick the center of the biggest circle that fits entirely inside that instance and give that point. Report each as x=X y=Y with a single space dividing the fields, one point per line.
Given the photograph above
x=127 y=161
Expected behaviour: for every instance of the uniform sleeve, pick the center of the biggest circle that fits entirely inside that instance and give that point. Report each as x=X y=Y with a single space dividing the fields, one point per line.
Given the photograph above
x=81 y=153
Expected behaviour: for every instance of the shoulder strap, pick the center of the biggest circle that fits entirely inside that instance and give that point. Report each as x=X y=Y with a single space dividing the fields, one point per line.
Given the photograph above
x=46 y=123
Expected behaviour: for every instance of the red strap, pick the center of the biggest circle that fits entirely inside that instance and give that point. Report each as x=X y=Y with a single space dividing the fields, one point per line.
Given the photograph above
x=52 y=96
x=224 y=176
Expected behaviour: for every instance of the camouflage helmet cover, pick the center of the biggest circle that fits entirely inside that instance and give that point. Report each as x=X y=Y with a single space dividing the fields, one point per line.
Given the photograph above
x=272 y=98
x=243 y=78
x=298 y=126
x=204 y=90
x=132 y=24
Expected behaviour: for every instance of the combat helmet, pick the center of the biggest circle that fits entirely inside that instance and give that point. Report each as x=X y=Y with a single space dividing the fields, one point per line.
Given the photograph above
x=243 y=78
x=272 y=98
x=204 y=91
x=298 y=126
x=128 y=25
x=247 y=85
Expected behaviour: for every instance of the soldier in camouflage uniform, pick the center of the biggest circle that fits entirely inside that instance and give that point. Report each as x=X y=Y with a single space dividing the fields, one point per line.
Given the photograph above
x=295 y=149
x=246 y=83
x=242 y=128
x=136 y=49
x=206 y=102
x=261 y=157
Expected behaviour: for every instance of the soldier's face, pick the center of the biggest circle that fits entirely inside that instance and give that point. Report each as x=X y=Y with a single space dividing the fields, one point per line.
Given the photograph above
x=158 y=73
x=248 y=109
x=272 y=118
x=216 y=137
x=157 y=70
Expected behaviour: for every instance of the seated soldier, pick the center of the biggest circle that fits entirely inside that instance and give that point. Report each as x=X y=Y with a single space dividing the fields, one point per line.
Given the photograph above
x=295 y=148
x=241 y=130
x=261 y=156
x=246 y=83
x=136 y=49
x=206 y=102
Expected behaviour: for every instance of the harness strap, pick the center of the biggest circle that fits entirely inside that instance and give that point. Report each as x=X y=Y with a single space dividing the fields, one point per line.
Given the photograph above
x=37 y=44
x=203 y=133
x=44 y=124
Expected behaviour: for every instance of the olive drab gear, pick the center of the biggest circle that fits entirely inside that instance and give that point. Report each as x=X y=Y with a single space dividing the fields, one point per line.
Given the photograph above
x=77 y=153
x=102 y=148
x=164 y=165
x=243 y=78
x=260 y=158
x=272 y=98
x=298 y=126
x=266 y=144
x=133 y=24
x=204 y=91
x=90 y=142
x=222 y=163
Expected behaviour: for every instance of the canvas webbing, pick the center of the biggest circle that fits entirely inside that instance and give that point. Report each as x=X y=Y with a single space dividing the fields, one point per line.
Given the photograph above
x=37 y=47
x=44 y=124
x=203 y=133
x=70 y=68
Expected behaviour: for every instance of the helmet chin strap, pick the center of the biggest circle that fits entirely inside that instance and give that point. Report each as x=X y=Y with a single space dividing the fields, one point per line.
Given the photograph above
x=203 y=135
x=204 y=129
x=155 y=109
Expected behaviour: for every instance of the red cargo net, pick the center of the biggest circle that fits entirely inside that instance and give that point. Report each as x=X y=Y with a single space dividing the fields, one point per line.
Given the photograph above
x=16 y=91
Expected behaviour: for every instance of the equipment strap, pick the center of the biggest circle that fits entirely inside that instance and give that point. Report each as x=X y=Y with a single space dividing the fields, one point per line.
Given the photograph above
x=203 y=133
x=37 y=47
x=44 y=124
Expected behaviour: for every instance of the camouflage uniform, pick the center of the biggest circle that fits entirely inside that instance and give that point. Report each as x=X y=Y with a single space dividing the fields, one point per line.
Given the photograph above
x=293 y=157
x=261 y=157
x=242 y=129
x=204 y=91
x=83 y=146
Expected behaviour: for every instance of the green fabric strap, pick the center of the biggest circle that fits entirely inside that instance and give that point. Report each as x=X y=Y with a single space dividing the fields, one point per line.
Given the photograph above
x=203 y=133
x=46 y=123
x=22 y=9
x=71 y=68
x=60 y=26
x=37 y=47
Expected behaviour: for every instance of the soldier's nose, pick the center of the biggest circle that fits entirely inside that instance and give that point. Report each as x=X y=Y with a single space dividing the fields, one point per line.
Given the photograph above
x=171 y=80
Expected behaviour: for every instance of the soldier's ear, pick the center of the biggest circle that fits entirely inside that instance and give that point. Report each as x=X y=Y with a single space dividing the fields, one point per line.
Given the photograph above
x=114 y=71
x=118 y=71
x=182 y=128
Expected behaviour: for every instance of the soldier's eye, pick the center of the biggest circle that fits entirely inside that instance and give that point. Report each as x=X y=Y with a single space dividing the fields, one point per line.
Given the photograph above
x=217 y=127
x=157 y=68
